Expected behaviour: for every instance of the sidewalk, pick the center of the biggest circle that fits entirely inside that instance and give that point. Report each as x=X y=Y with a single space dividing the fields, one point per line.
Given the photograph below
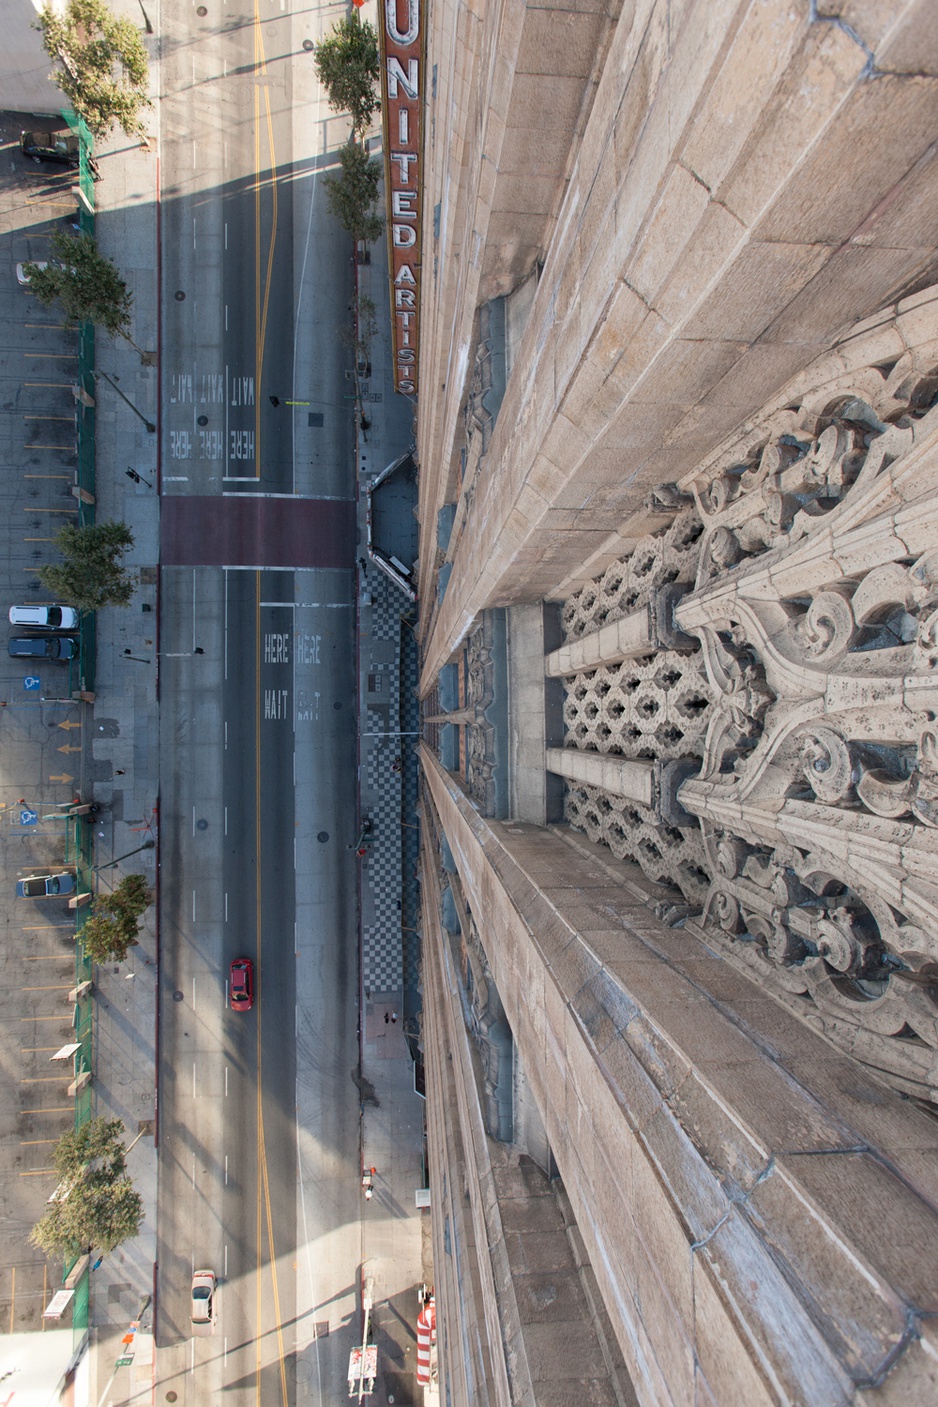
x=121 y=761
x=396 y=1233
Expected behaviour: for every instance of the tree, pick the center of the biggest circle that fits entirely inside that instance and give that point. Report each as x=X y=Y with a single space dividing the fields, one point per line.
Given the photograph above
x=111 y=931
x=86 y=283
x=348 y=68
x=95 y=1204
x=96 y=1143
x=353 y=195
x=92 y=574
x=101 y=64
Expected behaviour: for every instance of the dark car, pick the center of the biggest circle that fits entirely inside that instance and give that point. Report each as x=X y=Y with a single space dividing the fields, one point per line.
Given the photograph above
x=53 y=149
x=57 y=148
x=40 y=886
x=44 y=647
x=241 y=984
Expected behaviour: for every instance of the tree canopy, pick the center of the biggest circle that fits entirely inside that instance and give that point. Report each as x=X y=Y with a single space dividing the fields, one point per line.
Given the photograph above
x=91 y=574
x=353 y=195
x=101 y=64
x=86 y=283
x=111 y=931
x=348 y=68
x=95 y=1204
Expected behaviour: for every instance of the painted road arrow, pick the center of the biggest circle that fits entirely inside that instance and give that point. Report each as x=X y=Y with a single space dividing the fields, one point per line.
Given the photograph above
x=70 y=747
x=71 y=723
x=62 y=777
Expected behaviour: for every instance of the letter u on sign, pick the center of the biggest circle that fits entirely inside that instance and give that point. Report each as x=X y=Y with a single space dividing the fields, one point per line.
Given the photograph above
x=413 y=22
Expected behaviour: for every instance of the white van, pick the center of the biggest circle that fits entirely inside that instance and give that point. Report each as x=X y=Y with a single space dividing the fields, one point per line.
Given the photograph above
x=45 y=617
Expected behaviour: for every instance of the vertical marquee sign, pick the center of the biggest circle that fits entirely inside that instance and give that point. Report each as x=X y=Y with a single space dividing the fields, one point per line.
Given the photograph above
x=402 y=77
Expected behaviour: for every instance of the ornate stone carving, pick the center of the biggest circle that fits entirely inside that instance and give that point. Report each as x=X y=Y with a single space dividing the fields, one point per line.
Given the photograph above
x=815 y=604
x=666 y=556
x=656 y=707
x=667 y=854
x=480 y=735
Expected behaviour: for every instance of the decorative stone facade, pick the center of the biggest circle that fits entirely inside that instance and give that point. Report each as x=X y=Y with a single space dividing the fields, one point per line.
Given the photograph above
x=811 y=700
x=717 y=454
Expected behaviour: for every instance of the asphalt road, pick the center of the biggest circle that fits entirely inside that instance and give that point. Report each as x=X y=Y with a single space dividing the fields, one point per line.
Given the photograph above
x=258 y=1112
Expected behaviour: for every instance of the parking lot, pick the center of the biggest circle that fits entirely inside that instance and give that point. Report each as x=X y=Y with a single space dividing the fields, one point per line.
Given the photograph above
x=40 y=727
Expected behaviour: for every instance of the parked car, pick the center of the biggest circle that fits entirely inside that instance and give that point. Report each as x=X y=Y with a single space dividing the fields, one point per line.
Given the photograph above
x=22 y=277
x=202 y=1312
x=40 y=886
x=44 y=647
x=54 y=149
x=45 y=617
x=241 y=984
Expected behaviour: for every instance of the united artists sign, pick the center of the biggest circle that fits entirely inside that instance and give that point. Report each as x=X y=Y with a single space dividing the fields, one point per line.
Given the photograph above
x=402 y=78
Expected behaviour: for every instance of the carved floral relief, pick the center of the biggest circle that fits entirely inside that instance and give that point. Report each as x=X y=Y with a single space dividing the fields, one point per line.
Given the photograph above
x=815 y=605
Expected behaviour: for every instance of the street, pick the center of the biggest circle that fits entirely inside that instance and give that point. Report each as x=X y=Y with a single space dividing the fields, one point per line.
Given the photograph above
x=259 y=1113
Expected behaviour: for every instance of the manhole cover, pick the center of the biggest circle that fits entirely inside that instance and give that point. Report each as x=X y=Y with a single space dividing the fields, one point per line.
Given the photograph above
x=201 y=12
x=202 y=420
x=201 y=825
x=180 y=296
x=172 y=1396
x=336 y=705
x=322 y=837
x=308 y=45
x=301 y=1370
x=177 y=996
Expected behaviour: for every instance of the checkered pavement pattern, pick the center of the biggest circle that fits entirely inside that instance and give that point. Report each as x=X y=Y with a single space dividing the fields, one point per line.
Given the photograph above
x=382 y=958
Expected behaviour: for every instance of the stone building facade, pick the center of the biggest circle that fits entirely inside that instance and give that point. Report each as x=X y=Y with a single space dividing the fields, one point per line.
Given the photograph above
x=678 y=454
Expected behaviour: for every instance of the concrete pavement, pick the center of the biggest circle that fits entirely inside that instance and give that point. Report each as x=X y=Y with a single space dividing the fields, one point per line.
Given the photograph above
x=396 y=1256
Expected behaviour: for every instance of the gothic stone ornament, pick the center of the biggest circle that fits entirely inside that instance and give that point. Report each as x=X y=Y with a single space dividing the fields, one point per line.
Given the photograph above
x=815 y=604
x=818 y=573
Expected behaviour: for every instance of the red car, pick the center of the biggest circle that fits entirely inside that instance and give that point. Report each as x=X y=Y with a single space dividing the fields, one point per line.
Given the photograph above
x=241 y=984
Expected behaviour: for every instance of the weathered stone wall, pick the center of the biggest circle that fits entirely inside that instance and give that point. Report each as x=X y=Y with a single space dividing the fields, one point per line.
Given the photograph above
x=511 y=87
x=752 y=180
x=761 y=1217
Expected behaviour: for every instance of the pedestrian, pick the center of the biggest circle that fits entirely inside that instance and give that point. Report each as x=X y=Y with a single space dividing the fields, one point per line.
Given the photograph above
x=274 y=400
x=118 y=771
x=393 y=1018
x=387 y=1017
x=368 y=1194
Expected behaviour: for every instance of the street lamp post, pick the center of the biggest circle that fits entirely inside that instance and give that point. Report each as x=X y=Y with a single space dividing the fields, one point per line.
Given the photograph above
x=147 y=845
x=102 y=375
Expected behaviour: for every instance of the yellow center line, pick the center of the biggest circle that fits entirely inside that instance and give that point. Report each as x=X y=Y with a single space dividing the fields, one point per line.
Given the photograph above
x=69 y=418
x=44 y=1079
x=31 y=1142
x=66 y=448
x=38 y=1172
x=48 y=356
x=47 y=476
x=261 y=308
x=257 y=918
